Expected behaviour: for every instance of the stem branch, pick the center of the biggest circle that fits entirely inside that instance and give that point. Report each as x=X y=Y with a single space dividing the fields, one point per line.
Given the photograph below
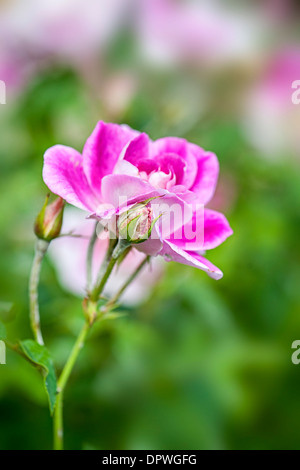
x=117 y=251
x=64 y=377
x=58 y=429
x=114 y=253
x=116 y=297
x=58 y=436
x=40 y=251
x=89 y=260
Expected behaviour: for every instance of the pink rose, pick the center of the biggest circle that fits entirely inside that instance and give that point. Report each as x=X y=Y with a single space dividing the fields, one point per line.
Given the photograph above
x=120 y=167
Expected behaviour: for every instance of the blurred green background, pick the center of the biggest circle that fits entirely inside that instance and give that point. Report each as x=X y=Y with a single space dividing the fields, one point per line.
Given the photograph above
x=202 y=364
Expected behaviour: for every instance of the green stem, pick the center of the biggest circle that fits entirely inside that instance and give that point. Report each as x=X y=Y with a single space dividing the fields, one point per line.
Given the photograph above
x=64 y=377
x=90 y=252
x=58 y=437
x=40 y=251
x=114 y=254
x=116 y=297
x=99 y=288
x=61 y=384
x=117 y=252
x=103 y=268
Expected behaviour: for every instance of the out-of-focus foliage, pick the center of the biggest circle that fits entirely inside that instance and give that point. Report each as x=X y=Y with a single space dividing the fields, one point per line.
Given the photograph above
x=203 y=364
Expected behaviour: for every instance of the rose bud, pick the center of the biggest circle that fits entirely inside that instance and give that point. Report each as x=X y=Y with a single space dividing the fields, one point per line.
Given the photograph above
x=136 y=224
x=49 y=221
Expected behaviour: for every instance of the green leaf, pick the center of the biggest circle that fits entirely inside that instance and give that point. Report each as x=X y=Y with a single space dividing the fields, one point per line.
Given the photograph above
x=40 y=355
x=2 y=331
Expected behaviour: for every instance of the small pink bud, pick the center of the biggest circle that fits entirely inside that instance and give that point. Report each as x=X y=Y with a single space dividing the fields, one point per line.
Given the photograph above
x=49 y=221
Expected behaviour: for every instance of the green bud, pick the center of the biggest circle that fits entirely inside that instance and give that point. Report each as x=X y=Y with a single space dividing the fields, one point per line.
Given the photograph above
x=49 y=221
x=136 y=224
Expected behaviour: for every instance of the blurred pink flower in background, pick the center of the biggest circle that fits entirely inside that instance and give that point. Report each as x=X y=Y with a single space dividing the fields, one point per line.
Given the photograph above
x=280 y=10
x=68 y=255
x=35 y=31
x=13 y=69
x=172 y=33
x=117 y=92
x=271 y=119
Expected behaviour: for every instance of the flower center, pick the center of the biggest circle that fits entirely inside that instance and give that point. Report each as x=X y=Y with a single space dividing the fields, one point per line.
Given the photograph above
x=159 y=179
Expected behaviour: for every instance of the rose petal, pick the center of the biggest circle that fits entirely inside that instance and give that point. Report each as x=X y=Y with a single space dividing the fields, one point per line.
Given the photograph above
x=137 y=150
x=102 y=151
x=125 y=168
x=207 y=174
x=171 y=252
x=181 y=148
x=173 y=164
x=216 y=229
x=120 y=190
x=173 y=212
x=153 y=245
x=207 y=230
x=64 y=176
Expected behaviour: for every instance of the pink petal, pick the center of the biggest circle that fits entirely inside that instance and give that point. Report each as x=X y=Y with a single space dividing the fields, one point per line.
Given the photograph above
x=171 y=252
x=207 y=230
x=173 y=213
x=180 y=147
x=64 y=176
x=125 y=168
x=174 y=164
x=102 y=151
x=117 y=189
x=207 y=174
x=185 y=195
x=216 y=229
x=137 y=150
x=152 y=246
x=137 y=153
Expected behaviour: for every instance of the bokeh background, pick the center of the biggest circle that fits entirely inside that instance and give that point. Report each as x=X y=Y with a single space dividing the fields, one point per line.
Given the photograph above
x=200 y=364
